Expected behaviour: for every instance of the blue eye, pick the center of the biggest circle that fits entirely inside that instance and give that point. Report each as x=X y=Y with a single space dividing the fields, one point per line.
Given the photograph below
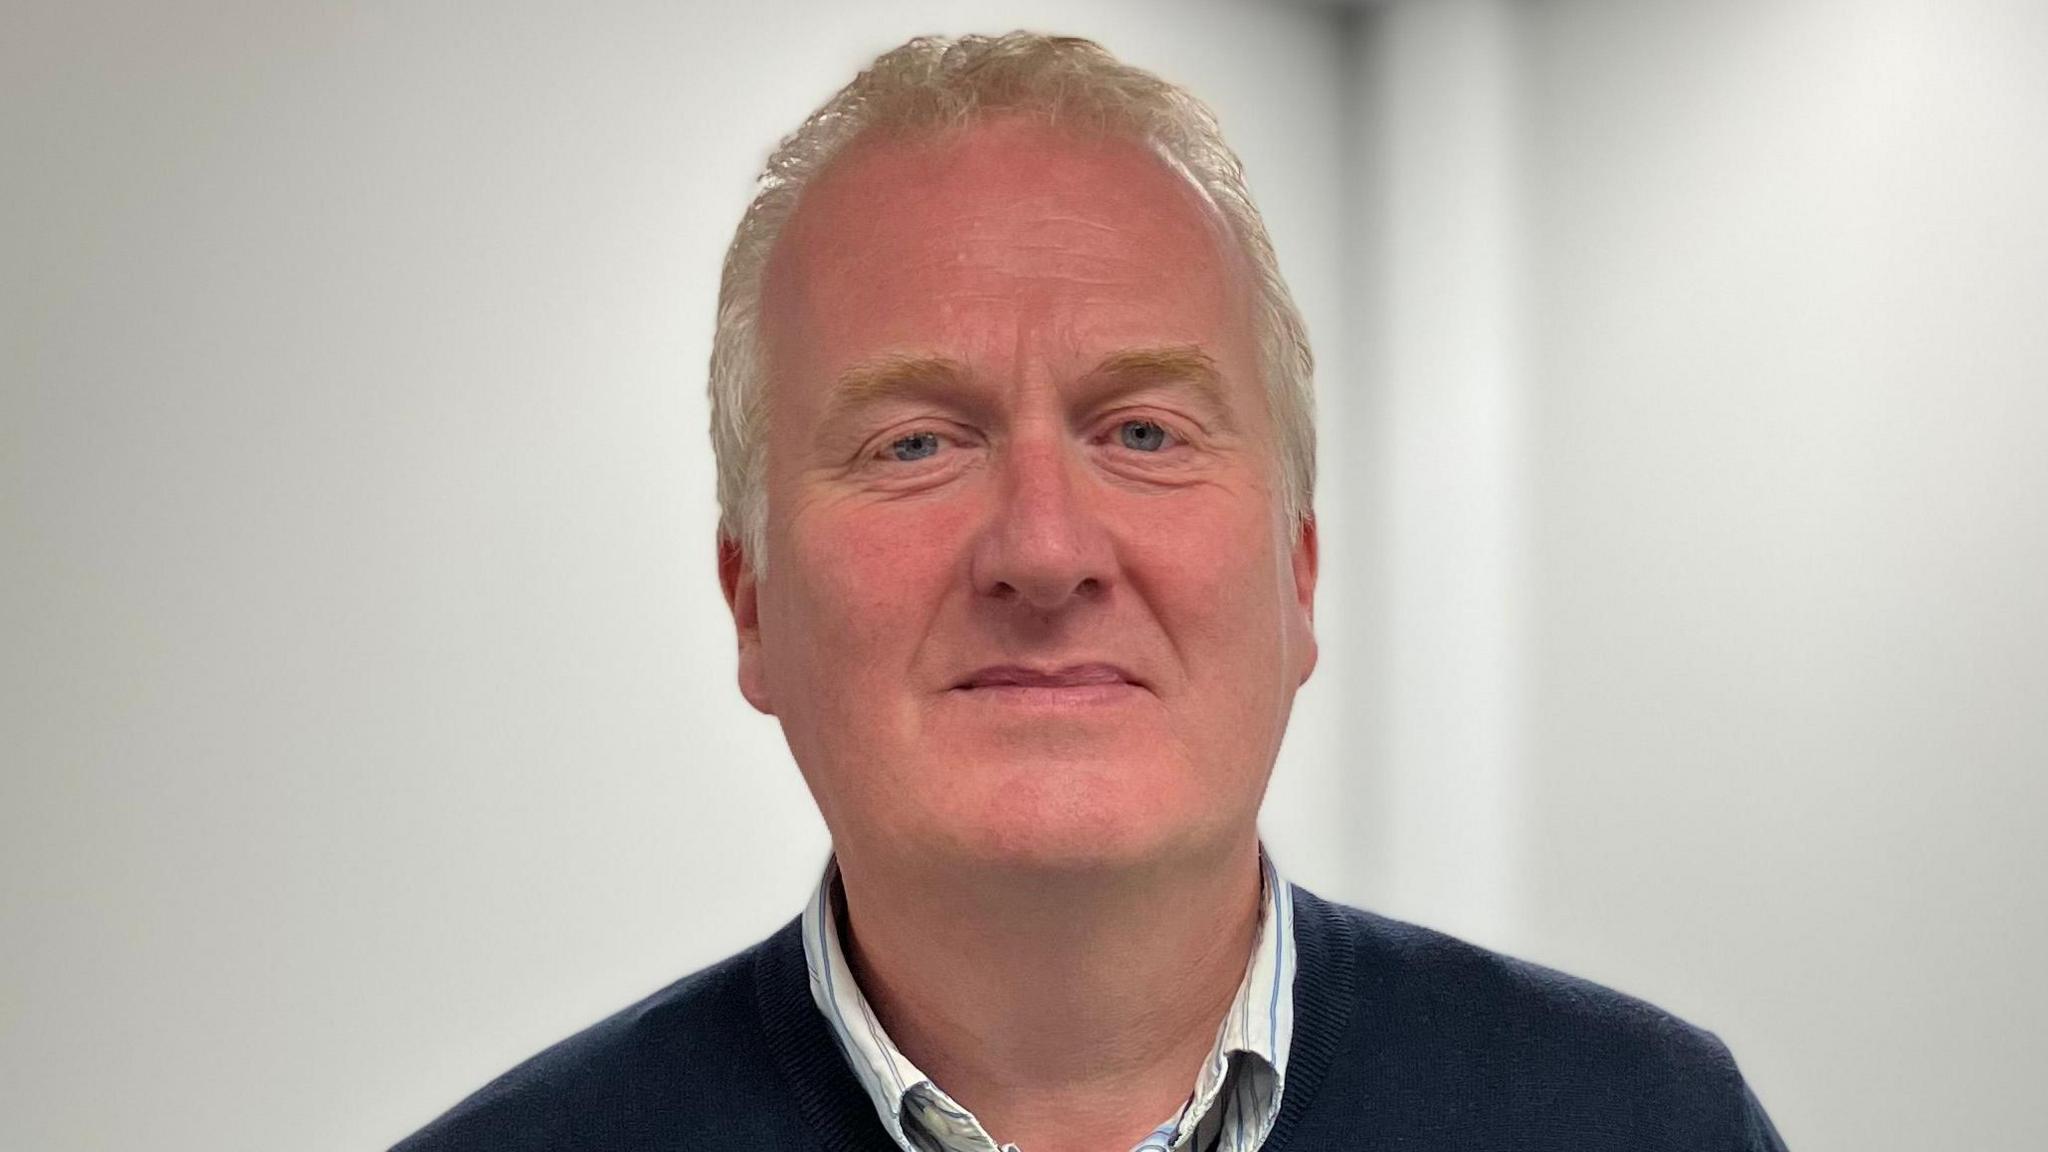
x=1141 y=435
x=916 y=446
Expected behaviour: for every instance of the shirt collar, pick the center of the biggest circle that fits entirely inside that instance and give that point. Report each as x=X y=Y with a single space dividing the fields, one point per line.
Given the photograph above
x=1249 y=1057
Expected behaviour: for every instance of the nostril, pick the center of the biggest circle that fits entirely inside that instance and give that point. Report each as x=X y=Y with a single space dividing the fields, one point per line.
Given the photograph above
x=1050 y=596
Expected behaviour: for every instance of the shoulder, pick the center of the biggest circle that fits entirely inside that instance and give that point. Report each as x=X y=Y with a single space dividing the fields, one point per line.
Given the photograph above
x=1465 y=993
x=684 y=1058
x=1442 y=1026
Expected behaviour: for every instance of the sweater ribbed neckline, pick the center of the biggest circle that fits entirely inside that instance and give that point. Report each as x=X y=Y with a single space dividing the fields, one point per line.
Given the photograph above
x=842 y=1117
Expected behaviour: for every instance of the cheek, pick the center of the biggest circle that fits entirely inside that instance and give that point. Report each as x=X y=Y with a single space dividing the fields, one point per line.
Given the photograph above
x=862 y=586
x=1214 y=574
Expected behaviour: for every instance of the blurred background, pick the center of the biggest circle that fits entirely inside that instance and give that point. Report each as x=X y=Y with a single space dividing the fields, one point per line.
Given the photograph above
x=364 y=678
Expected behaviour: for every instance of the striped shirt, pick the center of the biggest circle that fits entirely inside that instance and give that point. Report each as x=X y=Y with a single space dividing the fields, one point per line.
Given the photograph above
x=1236 y=1095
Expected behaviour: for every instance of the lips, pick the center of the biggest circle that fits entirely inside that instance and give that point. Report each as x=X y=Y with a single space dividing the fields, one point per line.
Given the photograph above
x=1064 y=676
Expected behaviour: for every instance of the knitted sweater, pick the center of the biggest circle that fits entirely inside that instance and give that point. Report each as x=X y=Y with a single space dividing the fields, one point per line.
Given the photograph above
x=1403 y=1039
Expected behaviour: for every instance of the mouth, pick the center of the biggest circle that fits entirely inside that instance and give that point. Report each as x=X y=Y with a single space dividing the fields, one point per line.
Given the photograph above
x=1069 y=684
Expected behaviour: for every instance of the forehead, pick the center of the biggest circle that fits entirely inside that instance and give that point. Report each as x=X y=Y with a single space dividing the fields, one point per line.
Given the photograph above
x=1004 y=239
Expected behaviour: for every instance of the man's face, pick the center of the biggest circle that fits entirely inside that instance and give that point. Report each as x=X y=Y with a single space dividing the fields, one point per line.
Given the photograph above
x=1030 y=599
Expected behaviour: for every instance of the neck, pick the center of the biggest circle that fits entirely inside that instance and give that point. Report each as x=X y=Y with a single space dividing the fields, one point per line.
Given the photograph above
x=1065 y=1012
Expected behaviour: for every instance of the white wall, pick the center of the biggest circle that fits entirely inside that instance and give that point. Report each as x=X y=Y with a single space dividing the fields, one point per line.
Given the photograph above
x=366 y=702
x=1721 y=326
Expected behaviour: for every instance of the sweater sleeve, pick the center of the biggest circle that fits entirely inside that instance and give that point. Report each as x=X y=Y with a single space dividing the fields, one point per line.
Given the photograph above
x=1758 y=1133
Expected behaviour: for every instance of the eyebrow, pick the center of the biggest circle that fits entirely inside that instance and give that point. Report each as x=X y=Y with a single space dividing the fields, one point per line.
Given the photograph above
x=892 y=377
x=1183 y=364
x=889 y=378
x=899 y=376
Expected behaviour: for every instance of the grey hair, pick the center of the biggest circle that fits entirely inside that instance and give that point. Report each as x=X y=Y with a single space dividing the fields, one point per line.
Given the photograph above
x=944 y=84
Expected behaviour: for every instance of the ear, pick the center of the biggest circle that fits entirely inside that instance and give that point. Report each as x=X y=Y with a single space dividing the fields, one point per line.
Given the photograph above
x=1305 y=561
x=742 y=595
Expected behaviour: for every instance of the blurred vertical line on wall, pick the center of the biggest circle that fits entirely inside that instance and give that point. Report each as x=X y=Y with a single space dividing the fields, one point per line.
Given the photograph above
x=1351 y=428
x=1439 y=287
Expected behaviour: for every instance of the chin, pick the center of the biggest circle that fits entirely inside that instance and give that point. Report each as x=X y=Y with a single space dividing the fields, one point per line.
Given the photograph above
x=1054 y=816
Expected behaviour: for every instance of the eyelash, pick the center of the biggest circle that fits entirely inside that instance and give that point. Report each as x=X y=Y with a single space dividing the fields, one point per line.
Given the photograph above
x=884 y=452
x=1172 y=437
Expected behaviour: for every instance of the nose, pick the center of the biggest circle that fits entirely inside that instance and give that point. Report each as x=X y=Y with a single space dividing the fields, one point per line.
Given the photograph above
x=1045 y=547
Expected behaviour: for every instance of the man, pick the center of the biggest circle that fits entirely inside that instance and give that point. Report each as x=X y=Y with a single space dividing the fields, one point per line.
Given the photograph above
x=1012 y=418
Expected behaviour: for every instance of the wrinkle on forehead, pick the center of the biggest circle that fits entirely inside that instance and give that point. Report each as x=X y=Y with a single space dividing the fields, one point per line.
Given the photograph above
x=995 y=182
x=1009 y=225
x=1081 y=222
